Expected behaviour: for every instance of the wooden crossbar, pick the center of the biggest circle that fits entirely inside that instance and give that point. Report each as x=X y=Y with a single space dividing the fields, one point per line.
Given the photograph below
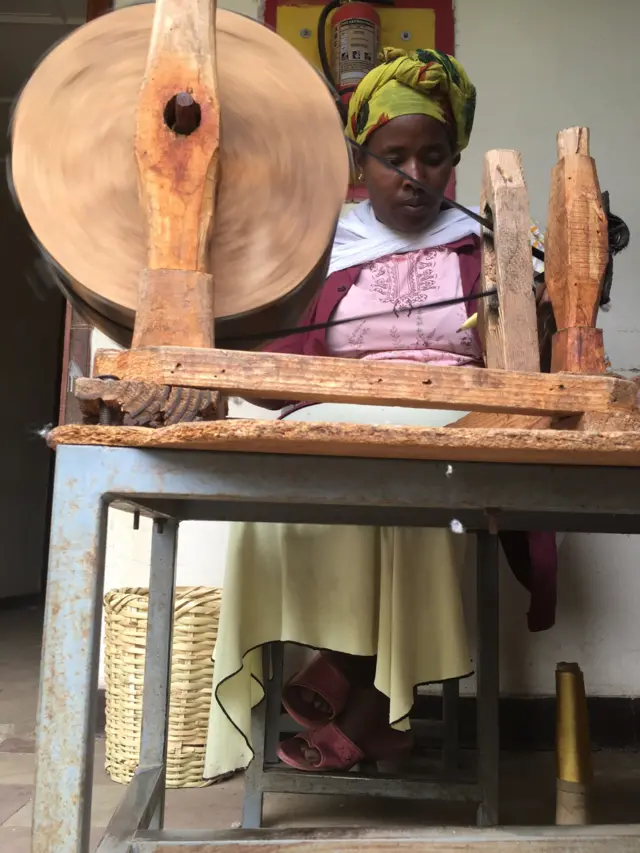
x=312 y=379
x=532 y=446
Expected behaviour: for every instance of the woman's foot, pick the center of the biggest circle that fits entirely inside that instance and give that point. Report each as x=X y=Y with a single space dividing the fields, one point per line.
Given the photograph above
x=316 y=701
x=362 y=731
x=366 y=711
x=318 y=693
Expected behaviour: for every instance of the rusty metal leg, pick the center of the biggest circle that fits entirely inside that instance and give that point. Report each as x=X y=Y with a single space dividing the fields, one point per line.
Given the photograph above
x=451 y=740
x=157 y=671
x=273 y=689
x=254 y=775
x=488 y=691
x=69 y=674
x=142 y=806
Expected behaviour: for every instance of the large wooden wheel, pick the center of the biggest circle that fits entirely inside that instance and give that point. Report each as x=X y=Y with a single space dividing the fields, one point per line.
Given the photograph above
x=282 y=177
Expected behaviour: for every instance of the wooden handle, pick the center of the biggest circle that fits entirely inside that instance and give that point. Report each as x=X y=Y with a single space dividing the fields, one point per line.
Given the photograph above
x=508 y=326
x=576 y=254
x=178 y=134
x=177 y=146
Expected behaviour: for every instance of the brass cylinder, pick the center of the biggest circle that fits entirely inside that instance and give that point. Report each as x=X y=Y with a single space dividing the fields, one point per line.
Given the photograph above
x=574 y=770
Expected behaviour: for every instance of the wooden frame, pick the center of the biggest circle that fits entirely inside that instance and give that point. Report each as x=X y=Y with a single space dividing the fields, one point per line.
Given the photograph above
x=543 y=411
x=173 y=370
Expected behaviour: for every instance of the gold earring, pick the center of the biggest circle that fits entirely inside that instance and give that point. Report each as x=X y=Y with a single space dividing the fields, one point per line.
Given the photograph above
x=361 y=176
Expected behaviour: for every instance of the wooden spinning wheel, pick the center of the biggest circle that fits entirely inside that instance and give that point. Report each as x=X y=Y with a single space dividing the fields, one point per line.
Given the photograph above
x=247 y=189
x=241 y=171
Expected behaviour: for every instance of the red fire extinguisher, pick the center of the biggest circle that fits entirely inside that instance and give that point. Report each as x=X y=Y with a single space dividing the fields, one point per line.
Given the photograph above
x=355 y=41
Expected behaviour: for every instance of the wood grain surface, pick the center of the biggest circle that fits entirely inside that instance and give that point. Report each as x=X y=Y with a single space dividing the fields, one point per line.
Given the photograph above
x=508 y=322
x=576 y=255
x=343 y=380
x=543 y=446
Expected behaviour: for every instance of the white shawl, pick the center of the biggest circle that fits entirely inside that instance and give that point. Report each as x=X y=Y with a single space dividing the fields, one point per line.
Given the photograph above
x=361 y=238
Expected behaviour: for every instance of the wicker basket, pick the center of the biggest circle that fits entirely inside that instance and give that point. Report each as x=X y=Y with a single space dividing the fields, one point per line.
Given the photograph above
x=195 y=629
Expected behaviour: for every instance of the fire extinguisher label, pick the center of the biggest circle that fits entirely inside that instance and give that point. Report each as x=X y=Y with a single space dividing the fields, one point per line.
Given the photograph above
x=355 y=50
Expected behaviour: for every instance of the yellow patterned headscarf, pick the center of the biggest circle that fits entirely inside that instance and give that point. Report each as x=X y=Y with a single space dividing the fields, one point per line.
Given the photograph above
x=424 y=82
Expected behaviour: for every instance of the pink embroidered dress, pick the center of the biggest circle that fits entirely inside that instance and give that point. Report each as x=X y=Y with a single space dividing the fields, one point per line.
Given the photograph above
x=404 y=284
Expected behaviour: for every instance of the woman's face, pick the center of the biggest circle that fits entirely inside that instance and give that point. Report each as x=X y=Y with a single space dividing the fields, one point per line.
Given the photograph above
x=421 y=147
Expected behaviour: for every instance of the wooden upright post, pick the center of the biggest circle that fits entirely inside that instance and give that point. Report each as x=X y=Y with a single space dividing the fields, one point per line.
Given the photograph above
x=576 y=254
x=176 y=147
x=508 y=321
x=177 y=144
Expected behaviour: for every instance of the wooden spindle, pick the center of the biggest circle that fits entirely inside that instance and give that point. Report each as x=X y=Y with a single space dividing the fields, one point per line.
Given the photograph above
x=576 y=253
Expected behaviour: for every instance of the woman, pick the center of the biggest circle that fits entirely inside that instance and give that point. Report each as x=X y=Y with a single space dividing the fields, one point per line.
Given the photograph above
x=385 y=601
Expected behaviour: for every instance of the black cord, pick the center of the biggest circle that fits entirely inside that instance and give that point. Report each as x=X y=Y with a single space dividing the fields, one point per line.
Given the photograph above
x=618 y=230
x=315 y=327
x=619 y=237
x=446 y=203
x=484 y=221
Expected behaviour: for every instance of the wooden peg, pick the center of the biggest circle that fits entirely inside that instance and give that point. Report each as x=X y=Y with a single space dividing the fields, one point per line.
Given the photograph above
x=508 y=321
x=176 y=147
x=573 y=140
x=576 y=254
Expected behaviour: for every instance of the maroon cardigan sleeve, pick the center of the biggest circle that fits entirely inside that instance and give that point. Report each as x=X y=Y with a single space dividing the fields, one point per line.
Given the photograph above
x=314 y=342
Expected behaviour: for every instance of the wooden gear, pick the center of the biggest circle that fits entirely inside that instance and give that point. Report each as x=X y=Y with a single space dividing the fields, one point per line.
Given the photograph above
x=517 y=413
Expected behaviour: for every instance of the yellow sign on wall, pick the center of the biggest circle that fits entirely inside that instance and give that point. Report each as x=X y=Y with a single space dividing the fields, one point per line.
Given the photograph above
x=406 y=28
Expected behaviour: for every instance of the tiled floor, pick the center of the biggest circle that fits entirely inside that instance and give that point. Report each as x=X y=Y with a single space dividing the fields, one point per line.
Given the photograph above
x=528 y=780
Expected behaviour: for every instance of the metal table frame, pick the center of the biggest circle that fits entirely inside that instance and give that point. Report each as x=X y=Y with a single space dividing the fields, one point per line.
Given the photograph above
x=173 y=485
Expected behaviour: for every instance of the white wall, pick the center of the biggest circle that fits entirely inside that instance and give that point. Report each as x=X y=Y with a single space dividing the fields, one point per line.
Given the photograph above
x=539 y=67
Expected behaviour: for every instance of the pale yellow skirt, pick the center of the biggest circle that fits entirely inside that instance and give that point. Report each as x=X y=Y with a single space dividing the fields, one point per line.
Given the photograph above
x=389 y=592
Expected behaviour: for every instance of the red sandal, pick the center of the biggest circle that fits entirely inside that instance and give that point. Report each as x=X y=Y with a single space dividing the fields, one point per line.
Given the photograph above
x=320 y=676
x=338 y=752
